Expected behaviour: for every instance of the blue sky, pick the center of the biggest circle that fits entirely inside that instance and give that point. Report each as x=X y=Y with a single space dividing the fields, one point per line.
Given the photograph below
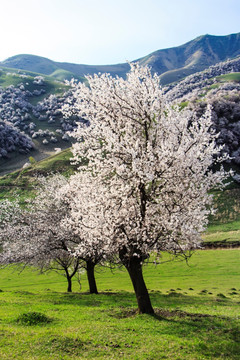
x=109 y=31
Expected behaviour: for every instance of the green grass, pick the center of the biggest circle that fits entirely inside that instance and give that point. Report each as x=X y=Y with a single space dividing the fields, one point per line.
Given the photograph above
x=206 y=269
x=61 y=74
x=235 y=77
x=183 y=104
x=223 y=237
x=22 y=182
x=55 y=163
x=12 y=77
x=197 y=313
x=232 y=77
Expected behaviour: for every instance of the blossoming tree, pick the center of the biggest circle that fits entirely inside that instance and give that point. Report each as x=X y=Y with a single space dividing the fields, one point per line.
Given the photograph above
x=85 y=199
x=45 y=233
x=34 y=236
x=152 y=163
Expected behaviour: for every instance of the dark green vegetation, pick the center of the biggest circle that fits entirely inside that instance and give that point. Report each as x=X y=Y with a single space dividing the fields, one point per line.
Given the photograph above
x=174 y=63
x=197 y=313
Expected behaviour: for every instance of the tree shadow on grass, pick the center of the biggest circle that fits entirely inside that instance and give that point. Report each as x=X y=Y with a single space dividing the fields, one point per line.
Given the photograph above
x=212 y=336
x=209 y=336
x=123 y=299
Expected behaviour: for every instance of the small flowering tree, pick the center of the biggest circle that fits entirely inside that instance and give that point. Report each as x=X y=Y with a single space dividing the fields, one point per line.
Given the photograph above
x=152 y=163
x=47 y=235
x=86 y=221
x=34 y=235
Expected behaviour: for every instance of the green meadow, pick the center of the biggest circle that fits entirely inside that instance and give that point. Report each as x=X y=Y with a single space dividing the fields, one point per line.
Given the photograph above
x=196 y=303
x=196 y=306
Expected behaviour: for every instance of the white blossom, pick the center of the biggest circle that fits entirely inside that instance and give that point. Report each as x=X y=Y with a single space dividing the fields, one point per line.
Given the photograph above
x=149 y=169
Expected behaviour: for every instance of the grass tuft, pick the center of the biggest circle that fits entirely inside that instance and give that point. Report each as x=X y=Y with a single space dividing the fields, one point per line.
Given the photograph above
x=33 y=318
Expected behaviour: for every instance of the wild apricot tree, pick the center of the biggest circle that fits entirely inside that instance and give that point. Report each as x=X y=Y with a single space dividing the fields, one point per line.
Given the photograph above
x=152 y=163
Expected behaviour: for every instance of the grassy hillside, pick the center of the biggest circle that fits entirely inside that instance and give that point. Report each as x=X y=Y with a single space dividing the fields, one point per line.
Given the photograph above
x=194 y=56
x=174 y=63
x=20 y=89
x=61 y=74
x=233 y=77
x=11 y=76
x=59 y=70
x=23 y=181
x=197 y=313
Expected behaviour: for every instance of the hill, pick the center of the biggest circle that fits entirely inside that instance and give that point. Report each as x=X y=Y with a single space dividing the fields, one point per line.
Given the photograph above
x=60 y=70
x=194 y=56
x=40 y=65
x=31 y=122
x=173 y=63
x=22 y=181
x=30 y=106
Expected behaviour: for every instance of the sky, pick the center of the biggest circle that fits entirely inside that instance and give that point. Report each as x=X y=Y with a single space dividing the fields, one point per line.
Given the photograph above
x=99 y=32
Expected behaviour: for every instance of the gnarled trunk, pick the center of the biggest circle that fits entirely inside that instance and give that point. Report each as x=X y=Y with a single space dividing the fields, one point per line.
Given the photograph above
x=134 y=268
x=91 y=277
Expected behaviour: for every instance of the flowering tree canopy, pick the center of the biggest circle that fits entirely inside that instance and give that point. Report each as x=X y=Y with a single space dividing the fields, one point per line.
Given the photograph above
x=153 y=164
x=46 y=233
x=85 y=220
x=34 y=234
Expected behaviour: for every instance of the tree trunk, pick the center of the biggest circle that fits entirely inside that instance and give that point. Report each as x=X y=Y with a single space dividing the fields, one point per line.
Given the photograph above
x=134 y=268
x=69 y=279
x=91 y=277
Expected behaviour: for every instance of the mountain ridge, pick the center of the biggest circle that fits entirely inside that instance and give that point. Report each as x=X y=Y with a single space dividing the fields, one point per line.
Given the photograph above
x=172 y=64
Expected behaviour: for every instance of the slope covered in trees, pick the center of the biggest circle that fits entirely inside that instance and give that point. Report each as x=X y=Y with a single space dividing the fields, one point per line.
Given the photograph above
x=30 y=108
x=12 y=139
x=218 y=86
x=32 y=104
